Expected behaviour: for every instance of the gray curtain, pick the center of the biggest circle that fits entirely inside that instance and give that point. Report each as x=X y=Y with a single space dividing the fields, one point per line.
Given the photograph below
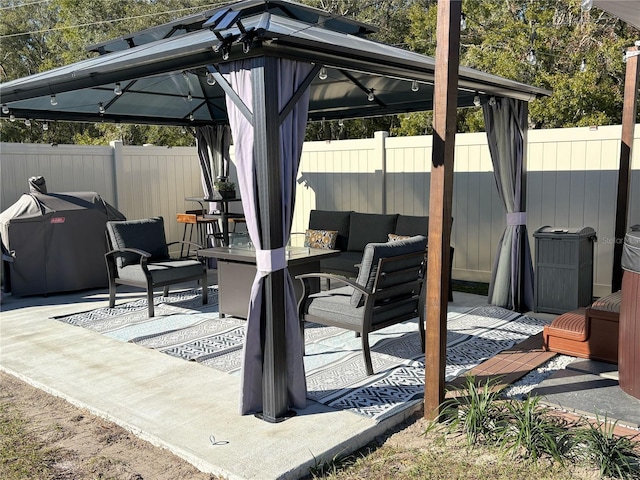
x=291 y=137
x=512 y=275
x=213 y=151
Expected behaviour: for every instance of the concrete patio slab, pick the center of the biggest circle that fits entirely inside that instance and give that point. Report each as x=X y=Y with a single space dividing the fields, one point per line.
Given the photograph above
x=190 y=410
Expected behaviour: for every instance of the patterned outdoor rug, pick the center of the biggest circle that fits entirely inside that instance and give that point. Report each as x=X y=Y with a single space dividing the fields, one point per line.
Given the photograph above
x=334 y=363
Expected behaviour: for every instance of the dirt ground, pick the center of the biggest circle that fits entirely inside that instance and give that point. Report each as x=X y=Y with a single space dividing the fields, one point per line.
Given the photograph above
x=78 y=445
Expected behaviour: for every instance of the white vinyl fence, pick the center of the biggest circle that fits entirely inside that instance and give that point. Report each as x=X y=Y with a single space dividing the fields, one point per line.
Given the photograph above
x=571 y=182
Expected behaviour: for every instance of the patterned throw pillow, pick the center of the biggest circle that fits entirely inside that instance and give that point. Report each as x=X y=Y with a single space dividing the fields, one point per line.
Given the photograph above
x=325 y=239
x=394 y=238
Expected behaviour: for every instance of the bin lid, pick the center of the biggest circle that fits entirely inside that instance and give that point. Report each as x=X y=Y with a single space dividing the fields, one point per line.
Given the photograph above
x=548 y=231
x=631 y=252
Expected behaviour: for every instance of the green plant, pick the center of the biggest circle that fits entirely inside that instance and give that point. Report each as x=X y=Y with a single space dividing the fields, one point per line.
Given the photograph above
x=224 y=186
x=613 y=455
x=477 y=413
x=531 y=429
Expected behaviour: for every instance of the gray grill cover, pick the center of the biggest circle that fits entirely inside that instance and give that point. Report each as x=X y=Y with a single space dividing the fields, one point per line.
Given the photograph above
x=631 y=252
x=55 y=242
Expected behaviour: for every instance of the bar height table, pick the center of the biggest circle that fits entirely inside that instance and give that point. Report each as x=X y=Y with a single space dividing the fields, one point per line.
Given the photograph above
x=224 y=214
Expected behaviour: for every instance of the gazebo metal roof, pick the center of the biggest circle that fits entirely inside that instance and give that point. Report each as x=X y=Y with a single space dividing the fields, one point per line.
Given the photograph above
x=162 y=71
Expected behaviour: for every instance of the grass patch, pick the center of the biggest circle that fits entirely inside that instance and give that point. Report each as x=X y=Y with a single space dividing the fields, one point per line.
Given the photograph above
x=477 y=288
x=22 y=455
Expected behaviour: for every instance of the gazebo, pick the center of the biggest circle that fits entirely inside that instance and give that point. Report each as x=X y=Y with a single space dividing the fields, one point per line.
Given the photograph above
x=266 y=67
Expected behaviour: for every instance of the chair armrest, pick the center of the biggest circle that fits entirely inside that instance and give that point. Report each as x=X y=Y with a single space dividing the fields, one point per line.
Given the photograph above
x=332 y=276
x=144 y=256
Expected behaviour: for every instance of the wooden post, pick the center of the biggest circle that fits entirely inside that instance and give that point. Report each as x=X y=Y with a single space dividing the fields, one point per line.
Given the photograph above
x=445 y=98
x=629 y=109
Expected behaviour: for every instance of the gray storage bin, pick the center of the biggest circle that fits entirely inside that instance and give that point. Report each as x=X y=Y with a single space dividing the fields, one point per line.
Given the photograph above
x=564 y=268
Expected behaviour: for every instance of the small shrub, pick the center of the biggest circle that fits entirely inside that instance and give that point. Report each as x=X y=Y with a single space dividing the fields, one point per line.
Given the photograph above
x=613 y=455
x=531 y=429
x=478 y=414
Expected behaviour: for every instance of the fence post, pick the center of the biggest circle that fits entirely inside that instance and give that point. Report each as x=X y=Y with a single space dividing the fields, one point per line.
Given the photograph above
x=380 y=149
x=117 y=167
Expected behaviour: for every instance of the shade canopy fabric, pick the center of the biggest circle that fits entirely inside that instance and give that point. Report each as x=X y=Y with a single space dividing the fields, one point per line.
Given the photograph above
x=626 y=10
x=162 y=72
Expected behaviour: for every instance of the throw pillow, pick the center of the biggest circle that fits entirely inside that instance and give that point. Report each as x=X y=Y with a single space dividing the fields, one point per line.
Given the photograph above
x=394 y=238
x=325 y=239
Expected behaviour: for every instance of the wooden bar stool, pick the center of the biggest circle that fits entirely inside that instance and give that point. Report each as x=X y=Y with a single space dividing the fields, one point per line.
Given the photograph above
x=189 y=219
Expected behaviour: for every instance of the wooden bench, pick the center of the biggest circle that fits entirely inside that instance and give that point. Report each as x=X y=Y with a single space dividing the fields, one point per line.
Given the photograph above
x=590 y=332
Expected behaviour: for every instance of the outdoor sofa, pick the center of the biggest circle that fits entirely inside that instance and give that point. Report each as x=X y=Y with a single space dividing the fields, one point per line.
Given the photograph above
x=350 y=232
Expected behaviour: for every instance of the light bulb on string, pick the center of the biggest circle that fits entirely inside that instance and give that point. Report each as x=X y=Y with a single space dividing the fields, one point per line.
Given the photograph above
x=27 y=122
x=492 y=101
x=476 y=100
x=211 y=80
x=45 y=126
x=190 y=97
x=583 y=65
x=118 y=89
x=323 y=74
x=414 y=86
x=371 y=97
x=54 y=100
x=531 y=57
x=12 y=118
x=191 y=117
x=463 y=22
x=585 y=5
x=101 y=108
x=5 y=108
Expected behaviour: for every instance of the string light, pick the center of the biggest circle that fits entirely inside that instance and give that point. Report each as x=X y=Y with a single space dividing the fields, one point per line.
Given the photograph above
x=27 y=122
x=191 y=117
x=476 y=100
x=118 y=89
x=54 y=100
x=12 y=118
x=211 y=80
x=5 y=108
x=414 y=86
x=585 y=5
x=583 y=65
x=190 y=97
x=492 y=101
x=531 y=57
x=45 y=126
x=101 y=108
x=371 y=97
x=463 y=21
x=323 y=74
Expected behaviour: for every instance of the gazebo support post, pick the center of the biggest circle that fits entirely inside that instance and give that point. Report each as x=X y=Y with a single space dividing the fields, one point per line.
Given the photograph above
x=629 y=110
x=267 y=158
x=440 y=202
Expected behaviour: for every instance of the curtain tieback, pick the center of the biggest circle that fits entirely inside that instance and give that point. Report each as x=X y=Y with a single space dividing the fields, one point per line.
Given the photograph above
x=268 y=261
x=517 y=218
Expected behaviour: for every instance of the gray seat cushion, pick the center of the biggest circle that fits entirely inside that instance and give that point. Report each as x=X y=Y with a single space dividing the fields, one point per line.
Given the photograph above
x=147 y=234
x=335 y=305
x=374 y=252
x=367 y=228
x=166 y=271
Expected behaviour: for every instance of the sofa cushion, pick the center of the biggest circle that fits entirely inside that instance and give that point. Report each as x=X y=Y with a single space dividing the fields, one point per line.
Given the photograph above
x=331 y=220
x=373 y=252
x=343 y=264
x=324 y=239
x=164 y=271
x=146 y=234
x=412 y=225
x=367 y=228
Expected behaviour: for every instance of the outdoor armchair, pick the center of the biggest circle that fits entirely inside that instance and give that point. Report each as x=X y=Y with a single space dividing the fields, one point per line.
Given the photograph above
x=138 y=256
x=387 y=291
